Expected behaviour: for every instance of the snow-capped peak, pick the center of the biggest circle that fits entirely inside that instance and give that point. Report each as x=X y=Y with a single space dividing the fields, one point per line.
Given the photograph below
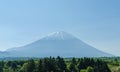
x=60 y=35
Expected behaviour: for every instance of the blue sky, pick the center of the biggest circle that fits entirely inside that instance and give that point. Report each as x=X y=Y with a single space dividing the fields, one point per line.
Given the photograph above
x=96 y=22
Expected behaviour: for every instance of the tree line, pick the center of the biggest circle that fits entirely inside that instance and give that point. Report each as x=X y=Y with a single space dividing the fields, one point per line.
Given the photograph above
x=52 y=64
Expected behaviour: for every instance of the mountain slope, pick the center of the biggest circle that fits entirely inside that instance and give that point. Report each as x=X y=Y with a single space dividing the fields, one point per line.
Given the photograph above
x=57 y=44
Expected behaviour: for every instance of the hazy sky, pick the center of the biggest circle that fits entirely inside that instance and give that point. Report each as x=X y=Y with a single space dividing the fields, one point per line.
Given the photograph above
x=96 y=22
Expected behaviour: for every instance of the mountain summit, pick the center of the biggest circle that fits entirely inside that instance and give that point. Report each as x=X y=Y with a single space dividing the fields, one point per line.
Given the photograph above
x=61 y=35
x=57 y=44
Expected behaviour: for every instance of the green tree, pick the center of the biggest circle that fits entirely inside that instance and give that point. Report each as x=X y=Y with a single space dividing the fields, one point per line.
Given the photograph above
x=72 y=66
x=13 y=66
x=49 y=64
x=61 y=66
x=90 y=69
x=29 y=66
x=1 y=66
x=39 y=66
x=82 y=70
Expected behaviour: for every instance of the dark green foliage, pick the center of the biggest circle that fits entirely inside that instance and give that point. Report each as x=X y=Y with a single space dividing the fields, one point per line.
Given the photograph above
x=101 y=66
x=72 y=66
x=61 y=66
x=90 y=69
x=56 y=65
x=1 y=66
x=12 y=65
x=49 y=65
x=39 y=66
x=30 y=66
x=98 y=65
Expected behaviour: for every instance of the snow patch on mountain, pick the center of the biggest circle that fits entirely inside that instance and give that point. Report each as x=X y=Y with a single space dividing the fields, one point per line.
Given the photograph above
x=60 y=35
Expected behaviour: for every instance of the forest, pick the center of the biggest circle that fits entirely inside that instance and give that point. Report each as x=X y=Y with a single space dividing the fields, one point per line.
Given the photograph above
x=59 y=64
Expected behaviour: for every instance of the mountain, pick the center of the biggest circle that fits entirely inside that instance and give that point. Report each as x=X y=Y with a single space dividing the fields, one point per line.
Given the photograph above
x=57 y=44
